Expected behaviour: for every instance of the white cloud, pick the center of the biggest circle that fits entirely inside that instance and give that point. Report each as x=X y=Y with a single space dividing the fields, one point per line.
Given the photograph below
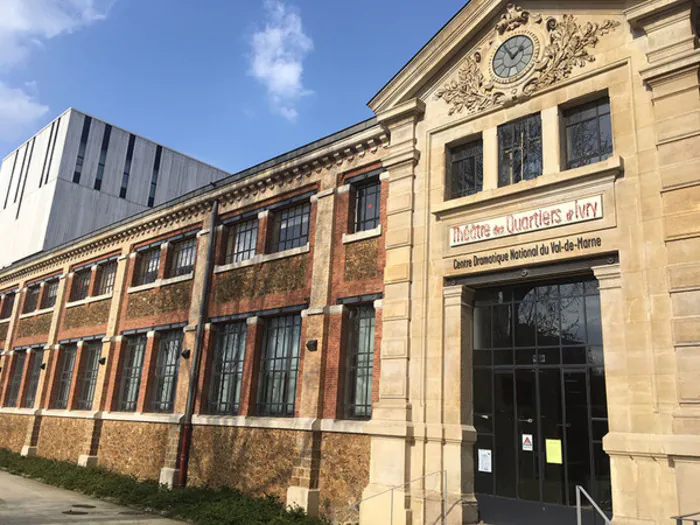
x=24 y=26
x=278 y=52
x=18 y=112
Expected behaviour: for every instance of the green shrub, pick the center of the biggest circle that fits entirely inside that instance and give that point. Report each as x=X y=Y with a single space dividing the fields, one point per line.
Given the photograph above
x=200 y=505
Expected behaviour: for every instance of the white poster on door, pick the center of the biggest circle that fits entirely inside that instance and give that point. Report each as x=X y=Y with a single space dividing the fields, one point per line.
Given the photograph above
x=484 y=460
x=527 y=442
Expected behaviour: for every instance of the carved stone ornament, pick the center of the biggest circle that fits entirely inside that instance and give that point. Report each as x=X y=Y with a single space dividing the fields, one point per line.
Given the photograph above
x=568 y=46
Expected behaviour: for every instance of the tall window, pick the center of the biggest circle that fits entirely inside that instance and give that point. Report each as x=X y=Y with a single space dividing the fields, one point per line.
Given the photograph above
x=103 y=157
x=182 y=257
x=81 y=284
x=35 y=361
x=359 y=363
x=105 y=277
x=50 y=293
x=131 y=368
x=31 y=299
x=154 y=177
x=279 y=366
x=241 y=242
x=50 y=147
x=367 y=205
x=81 y=150
x=18 y=362
x=466 y=169
x=64 y=376
x=147 y=265
x=588 y=133
x=7 y=305
x=227 y=368
x=127 y=167
x=290 y=227
x=165 y=372
x=520 y=150
x=87 y=378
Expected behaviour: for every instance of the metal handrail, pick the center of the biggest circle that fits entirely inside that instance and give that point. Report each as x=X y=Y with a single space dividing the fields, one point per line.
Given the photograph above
x=579 y=517
x=402 y=485
x=693 y=519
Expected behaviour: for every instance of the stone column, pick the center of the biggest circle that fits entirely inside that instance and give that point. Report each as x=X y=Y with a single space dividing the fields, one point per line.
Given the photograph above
x=390 y=425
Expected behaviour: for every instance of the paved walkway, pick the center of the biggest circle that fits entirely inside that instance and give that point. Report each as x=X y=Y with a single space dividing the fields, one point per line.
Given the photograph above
x=27 y=502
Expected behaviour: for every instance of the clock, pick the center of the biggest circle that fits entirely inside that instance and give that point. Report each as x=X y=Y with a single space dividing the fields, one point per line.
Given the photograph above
x=514 y=55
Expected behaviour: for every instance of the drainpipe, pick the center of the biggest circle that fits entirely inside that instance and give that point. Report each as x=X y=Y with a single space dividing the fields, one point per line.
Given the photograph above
x=186 y=440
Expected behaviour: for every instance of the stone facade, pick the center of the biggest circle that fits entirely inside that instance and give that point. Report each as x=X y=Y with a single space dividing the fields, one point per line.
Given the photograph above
x=626 y=220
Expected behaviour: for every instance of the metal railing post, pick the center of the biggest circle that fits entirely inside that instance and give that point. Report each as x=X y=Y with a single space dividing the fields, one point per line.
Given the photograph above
x=444 y=497
x=578 y=506
x=392 y=507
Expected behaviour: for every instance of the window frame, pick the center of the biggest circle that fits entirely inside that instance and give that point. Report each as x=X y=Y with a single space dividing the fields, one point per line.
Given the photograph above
x=36 y=359
x=241 y=241
x=50 y=295
x=80 y=284
x=64 y=376
x=142 y=275
x=87 y=374
x=360 y=199
x=182 y=255
x=82 y=148
x=228 y=360
x=133 y=357
x=573 y=111
x=279 y=367
x=280 y=223
x=165 y=372
x=31 y=298
x=473 y=150
x=6 y=311
x=352 y=409
x=106 y=276
x=534 y=147
x=15 y=381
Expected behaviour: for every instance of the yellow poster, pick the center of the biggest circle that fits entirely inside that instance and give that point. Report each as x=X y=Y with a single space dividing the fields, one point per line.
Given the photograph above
x=553 y=451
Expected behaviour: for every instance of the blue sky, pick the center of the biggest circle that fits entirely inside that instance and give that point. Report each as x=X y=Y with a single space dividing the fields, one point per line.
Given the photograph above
x=231 y=82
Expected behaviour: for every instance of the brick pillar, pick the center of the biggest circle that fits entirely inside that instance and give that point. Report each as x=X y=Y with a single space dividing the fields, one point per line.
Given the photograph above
x=94 y=276
x=108 y=401
x=54 y=353
x=76 y=373
x=334 y=383
x=163 y=266
x=207 y=349
x=263 y=231
x=251 y=366
x=149 y=363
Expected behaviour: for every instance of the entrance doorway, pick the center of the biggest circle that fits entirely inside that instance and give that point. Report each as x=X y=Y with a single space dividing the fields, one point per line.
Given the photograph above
x=540 y=407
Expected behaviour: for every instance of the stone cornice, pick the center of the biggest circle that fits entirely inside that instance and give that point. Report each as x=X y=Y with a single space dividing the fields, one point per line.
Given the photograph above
x=640 y=13
x=357 y=146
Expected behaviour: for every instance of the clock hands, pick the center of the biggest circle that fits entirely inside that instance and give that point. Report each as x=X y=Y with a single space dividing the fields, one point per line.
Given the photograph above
x=517 y=52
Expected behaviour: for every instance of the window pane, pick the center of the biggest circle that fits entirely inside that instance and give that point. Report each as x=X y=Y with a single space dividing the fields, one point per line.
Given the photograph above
x=81 y=285
x=227 y=368
x=50 y=293
x=242 y=241
x=31 y=299
x=7 y=306
x=291 y=228
x=147 y=266
x=87 y=380
x=182 y=257
x=64 y=375
x=466 y=170
x=131 y=366
x=279 y=366
x=367 y=205
x=520 y=150
x=18 y=363
x=165 y=372
x=588 y=133
x=106 y=278
x=360 y=363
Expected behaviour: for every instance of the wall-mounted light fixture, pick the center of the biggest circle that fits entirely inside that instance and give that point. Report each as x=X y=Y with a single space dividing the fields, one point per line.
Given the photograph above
x=43 y=366
x=102 y=360
x=312 y=345
x=186 y=353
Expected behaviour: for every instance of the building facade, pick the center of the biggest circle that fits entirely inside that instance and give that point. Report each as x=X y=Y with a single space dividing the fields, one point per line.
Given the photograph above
x=480 y=300
x=79 y=174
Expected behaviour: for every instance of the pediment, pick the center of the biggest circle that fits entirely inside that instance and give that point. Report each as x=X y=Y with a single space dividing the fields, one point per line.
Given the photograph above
x=495 y=53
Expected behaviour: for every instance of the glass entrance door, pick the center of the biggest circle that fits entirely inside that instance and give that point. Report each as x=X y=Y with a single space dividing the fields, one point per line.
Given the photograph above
x=539 y=401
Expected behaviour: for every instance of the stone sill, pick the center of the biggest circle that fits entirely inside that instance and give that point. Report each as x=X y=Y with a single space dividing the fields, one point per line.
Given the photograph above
x=611 y=166
x=19 y=411
x=89 y=300
x=263 y=258
x=140 y=417
x=73 y=414
x=36 y=312
x=158 y=283
x=361 y=236
x=282 y=423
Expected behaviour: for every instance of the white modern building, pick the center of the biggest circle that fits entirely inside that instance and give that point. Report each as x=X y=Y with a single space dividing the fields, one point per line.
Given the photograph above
x=79 y=174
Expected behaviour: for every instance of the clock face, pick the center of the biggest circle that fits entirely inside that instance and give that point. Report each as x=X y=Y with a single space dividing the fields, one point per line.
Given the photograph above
x=514 y=55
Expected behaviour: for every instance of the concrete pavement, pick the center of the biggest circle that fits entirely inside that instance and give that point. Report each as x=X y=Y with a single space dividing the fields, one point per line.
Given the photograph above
x=27 y=502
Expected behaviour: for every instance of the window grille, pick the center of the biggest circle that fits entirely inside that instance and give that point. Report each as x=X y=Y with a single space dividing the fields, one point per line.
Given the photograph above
x=367 y=205
x=7 y=306
x=147 y=266
x=588 y=133
x=106 y=275
x=20 y=357
x=87 y=379
x=81 y=284
x=182 y=257
x=520 y=150
x=466 y=170
x=31 y=299
x=50 y=294
x=360 y=363
x=165 y=372
x=241 y=242
x=227 y=368
x=36 y=359
x=64 y=376
x=81 y=150
x=279 y=366
x=290 y=228
x=131 y=368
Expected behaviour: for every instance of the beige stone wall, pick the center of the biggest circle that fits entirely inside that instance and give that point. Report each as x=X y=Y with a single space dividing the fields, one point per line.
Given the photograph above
x=63 y=438
x=344 y=471
x=136 y=449
x=13 y=430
